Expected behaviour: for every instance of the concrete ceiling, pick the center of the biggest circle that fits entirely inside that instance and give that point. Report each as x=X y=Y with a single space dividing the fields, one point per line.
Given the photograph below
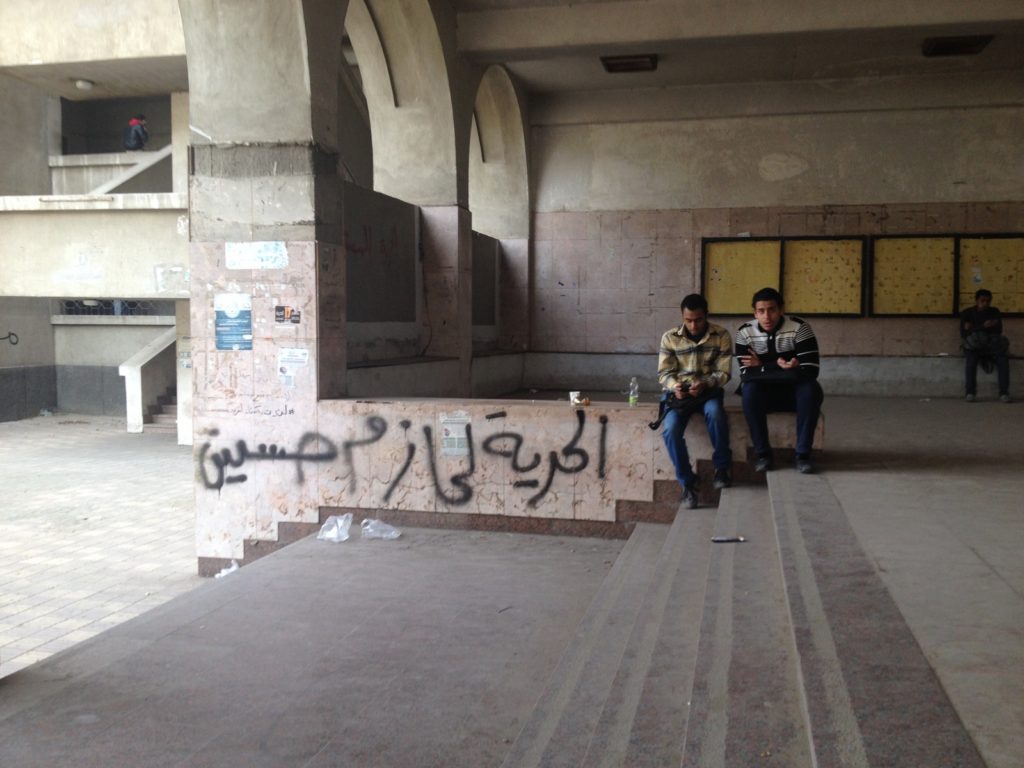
x=120 y=78
x=554 y=46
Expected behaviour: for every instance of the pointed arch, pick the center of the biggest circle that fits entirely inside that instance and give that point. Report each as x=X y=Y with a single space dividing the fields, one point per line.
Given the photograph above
x=499 y=191
x=405 y=80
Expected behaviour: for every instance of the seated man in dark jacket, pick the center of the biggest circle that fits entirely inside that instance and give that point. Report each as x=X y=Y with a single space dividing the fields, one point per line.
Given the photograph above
x=135 y=134
x=981 y=328
x=778 y=358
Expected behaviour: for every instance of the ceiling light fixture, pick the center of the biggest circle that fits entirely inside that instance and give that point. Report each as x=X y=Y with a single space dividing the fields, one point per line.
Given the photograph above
x=959 y=45
x=84 y=85
x=641 y=62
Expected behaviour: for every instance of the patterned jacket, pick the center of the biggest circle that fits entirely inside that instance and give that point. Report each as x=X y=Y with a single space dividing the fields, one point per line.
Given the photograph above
x=682 y=361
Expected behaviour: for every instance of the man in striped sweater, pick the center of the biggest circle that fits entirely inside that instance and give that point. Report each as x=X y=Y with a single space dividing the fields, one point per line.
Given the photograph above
x=778 y=358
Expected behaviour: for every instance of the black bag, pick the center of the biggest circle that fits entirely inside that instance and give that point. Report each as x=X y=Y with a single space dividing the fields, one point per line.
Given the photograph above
x=686 y=406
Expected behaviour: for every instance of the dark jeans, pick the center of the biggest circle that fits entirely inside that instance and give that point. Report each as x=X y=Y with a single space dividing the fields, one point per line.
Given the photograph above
x=761 y=398
x=971 y=359
x=675 y=444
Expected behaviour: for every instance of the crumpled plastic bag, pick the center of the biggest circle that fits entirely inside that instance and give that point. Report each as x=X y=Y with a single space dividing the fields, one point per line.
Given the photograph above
x=378 y=529
x=227 y=570
x=336 y=528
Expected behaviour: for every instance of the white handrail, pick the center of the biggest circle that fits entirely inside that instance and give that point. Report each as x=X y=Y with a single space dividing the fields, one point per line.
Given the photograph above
x=149 y=159
x=131 y=369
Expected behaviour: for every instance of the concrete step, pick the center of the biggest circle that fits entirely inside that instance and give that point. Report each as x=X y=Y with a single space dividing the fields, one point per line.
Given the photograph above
x=747 y=701
x=165 y=418
x=643 y=721
x=170 y=427
x=873 y=699
x=562 y=724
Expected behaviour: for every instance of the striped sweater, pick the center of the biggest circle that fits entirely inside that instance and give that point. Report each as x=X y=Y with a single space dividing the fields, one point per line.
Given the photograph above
x=792 y=337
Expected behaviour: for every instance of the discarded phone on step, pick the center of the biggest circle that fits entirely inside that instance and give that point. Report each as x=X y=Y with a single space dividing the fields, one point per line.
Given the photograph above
x=727 y=539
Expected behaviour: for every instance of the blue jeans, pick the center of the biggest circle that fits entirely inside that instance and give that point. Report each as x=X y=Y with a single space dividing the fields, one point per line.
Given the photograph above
x=674 y=426
x=803 y=396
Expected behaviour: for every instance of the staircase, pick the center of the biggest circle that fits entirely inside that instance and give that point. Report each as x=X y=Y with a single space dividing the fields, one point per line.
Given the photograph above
x=163 y=417
x=783 y=650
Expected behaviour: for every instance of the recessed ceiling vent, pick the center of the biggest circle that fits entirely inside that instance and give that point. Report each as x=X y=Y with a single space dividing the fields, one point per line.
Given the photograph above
x=642 y=62
x=962 y=45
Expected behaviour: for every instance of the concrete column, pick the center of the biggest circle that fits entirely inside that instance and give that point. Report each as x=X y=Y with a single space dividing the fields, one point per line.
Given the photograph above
x=183 y=353
x=446 y=239
x=179 y=143
x=255 y=337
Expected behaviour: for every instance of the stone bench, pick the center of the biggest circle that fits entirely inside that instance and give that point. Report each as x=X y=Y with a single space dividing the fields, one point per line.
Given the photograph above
x=781 y=432
x=537 y=466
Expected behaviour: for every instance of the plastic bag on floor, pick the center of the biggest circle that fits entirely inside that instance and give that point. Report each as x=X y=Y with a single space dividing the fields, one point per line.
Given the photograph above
x=336 y=528
x=227 y=570
x=378 y=529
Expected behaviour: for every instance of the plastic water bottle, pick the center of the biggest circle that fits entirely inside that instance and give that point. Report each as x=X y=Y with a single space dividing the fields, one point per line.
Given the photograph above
x=634 y=392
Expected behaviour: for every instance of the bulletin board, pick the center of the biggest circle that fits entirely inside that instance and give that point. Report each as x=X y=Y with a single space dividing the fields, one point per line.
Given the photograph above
x=995 y=263
x=736 y=269
x=913 y=276
x=823 y=276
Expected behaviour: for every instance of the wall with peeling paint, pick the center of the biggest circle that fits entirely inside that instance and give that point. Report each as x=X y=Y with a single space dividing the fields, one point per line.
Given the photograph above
x=847 y=158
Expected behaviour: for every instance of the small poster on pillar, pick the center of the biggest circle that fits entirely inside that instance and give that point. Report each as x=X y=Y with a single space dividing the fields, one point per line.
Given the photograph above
x=233 y=324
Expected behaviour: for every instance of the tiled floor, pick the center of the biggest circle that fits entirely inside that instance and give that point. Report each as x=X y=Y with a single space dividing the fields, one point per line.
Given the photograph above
x=96 y=527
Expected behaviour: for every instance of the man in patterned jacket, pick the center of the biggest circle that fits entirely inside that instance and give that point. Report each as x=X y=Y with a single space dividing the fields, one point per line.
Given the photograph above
x=694 y=363
x=779 y=363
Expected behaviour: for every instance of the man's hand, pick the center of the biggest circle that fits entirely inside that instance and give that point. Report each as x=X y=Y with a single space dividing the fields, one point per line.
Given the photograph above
x=696 y=388
x=989 y=323
x=968 y=326
x=679 y=392
x=750 y=360
x=788 y=365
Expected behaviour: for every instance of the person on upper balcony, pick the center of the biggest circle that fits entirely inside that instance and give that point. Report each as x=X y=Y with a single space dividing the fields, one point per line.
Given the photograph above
x=135 y=134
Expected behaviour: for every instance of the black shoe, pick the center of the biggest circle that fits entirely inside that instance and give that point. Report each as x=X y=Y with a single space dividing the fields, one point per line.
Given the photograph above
x=722 y=479
x=804 y=466
x=689 y=497
x=764 y=464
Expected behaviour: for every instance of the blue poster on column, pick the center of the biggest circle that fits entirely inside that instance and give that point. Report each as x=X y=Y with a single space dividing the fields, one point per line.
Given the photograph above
x=233 y=320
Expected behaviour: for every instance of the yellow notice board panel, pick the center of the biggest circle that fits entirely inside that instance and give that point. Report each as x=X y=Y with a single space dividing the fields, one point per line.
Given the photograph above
x=823 y=276
x=913 y=276
x=996 y=264
x=735 y=270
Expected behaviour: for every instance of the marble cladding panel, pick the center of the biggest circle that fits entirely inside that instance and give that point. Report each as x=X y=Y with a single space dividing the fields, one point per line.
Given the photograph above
x=331 y=322
x=225 y=505
x=671 y=258
x=611 y=281
x=528 y=460
x=514 y=299
x=257 y=464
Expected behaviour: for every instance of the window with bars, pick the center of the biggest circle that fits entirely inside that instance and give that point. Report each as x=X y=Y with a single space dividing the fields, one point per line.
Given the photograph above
x=115 y=307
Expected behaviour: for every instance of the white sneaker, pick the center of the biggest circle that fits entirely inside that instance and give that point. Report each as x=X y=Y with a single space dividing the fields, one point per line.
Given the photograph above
x=689 y=498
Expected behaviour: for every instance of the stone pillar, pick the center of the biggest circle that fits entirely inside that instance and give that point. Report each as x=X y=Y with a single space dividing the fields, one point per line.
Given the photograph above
x=183 y=377
x=179 y=143
x=446 y=237
x=255 y=341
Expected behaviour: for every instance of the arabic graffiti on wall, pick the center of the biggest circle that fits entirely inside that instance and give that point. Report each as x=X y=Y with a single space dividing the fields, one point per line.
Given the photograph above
x=219 y=467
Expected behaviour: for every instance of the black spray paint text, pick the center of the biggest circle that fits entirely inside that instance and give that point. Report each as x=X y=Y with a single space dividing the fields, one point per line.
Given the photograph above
x=218 y=468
